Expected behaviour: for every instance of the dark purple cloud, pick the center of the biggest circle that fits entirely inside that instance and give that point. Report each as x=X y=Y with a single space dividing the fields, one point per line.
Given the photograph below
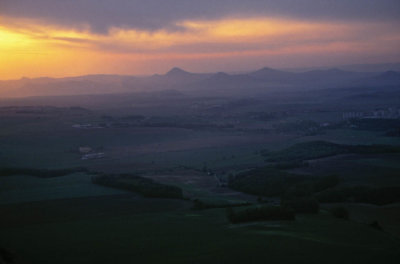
x=156 y=14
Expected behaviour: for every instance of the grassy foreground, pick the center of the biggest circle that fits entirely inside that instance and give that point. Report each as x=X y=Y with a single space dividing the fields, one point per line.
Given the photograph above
x=128 y=229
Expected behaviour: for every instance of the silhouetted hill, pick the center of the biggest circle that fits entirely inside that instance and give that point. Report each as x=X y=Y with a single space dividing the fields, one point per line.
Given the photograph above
x=372 y=68
x=271 y=74
x=219 y=77
x=332 y=75
x=263 y=80
x=225 y=84
x=388 y=78
x=376 y=67
x=178 y=72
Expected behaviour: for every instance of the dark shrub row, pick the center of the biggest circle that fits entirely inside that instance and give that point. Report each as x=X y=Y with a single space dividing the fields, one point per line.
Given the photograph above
x=272 y=182
x=6 y=256
x=377 y=124
x=340 y=212
x=361 y=194
x=41 y=173
x=321 y=149
x=264 y=181
x=146 y=187
x=304 y=127
x=202 y=205
x=261 y=213
x=287 y=165
x=311 y=186
x=302 y=205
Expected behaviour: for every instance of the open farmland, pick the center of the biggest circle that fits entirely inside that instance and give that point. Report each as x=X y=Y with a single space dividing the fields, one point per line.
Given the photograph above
x=217 y=153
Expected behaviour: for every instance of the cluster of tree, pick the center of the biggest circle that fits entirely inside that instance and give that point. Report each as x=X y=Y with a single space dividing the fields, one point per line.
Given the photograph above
x=267 y=181
x=260 y=213
x=266 y=116
x=302 y=205
x=264 y=181
x=284 y=165
x=375 y=124
x=311 y=186
x=297 y=192
x=134 y=118
x=393 y=132
x=146 y=187
x=375 y=225
x=202 y=205
x=321 y=149
x=6 y=256
x=303 y=127
x=130 y=123
x=361 y=194
x=287 y=165
x=41 y=173
x=339 y=212
x=301 y=197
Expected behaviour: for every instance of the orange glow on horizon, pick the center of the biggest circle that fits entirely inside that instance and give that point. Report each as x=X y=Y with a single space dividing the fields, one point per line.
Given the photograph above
x=46 y=50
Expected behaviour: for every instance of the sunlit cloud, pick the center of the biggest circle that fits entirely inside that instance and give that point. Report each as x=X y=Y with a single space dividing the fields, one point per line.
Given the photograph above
x=39 y=49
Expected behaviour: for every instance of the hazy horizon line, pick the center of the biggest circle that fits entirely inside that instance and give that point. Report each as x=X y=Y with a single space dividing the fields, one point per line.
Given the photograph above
x=288 y=69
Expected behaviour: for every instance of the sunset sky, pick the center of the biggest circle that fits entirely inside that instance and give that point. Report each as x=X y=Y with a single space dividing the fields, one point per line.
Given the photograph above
x=66 y=38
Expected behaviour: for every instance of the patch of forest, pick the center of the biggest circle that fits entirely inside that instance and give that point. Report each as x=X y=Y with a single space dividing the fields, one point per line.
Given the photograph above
x=260 y=213
x=40 y=173
x=321 y=149
x=376 y=124
x=361 y=194
x=295 y=189
x=270 y=182
x=146 y=187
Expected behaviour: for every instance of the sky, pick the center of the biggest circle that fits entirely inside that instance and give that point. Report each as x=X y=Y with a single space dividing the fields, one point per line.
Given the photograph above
x=59 y=38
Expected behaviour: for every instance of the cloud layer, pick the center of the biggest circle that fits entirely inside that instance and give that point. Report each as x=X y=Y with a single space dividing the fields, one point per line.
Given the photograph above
x=100 y=15
x=58 y=38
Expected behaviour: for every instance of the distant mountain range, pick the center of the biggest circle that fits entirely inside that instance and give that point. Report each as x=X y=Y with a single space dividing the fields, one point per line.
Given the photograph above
x=263 y=80
x=376 y=67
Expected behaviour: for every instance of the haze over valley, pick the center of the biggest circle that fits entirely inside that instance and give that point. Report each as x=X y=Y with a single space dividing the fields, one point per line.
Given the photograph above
x=199 y=132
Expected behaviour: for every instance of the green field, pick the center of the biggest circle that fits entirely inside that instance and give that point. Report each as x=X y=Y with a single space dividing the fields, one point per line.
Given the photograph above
x=130 y=234
x=68 y=219
x=21 y=188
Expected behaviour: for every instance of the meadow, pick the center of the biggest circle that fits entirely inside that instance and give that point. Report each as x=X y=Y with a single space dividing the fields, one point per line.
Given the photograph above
x=166 y=231
x=69 y=219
